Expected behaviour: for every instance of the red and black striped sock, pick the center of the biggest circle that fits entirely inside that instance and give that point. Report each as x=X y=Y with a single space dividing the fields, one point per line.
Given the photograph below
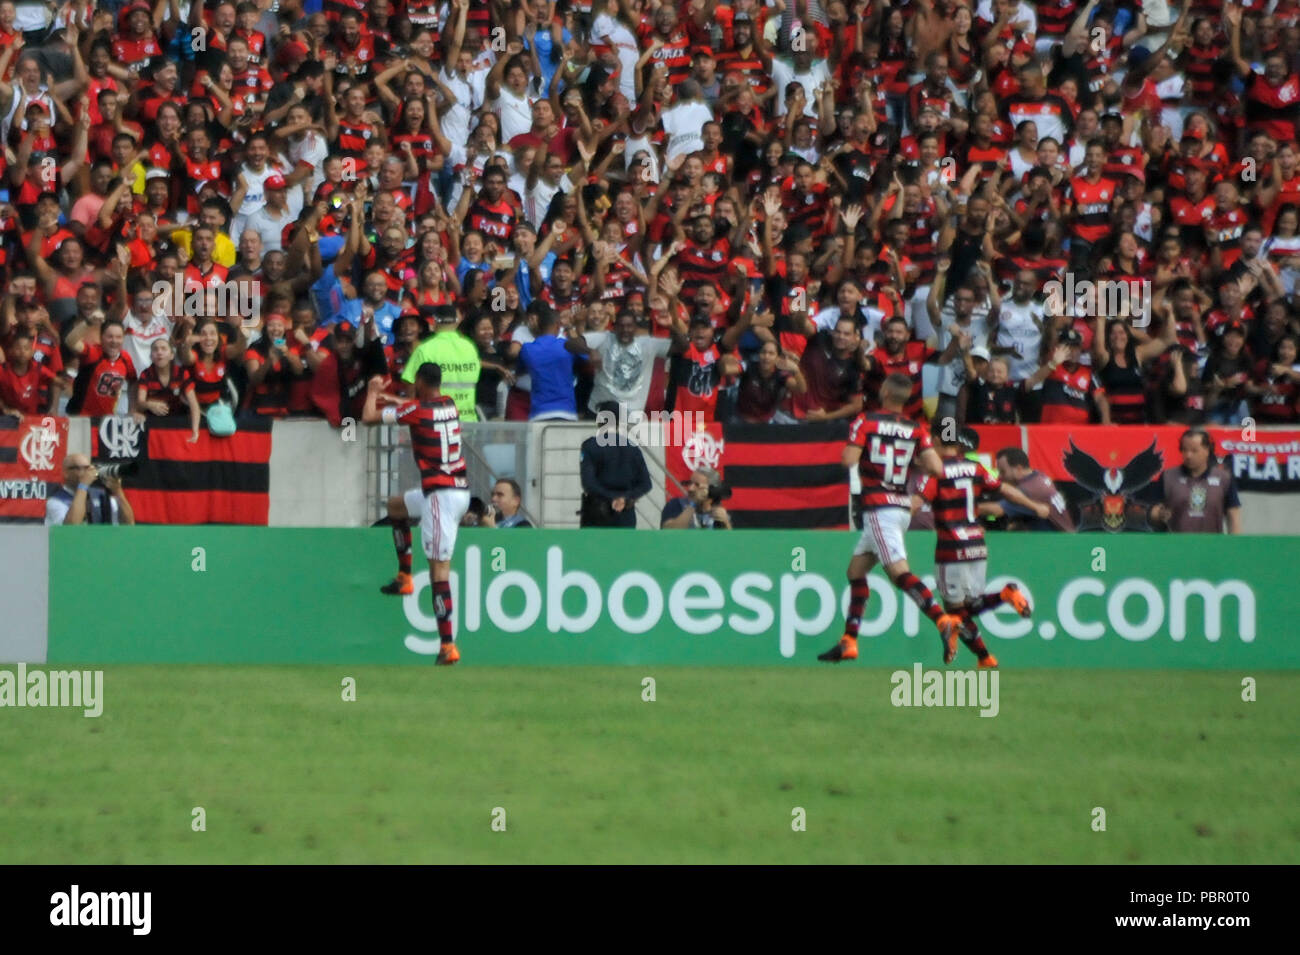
x=859 y=593
x=442 y=609
x=987 y=602
x=921 y=595
x=970 y=635
x=402 y=543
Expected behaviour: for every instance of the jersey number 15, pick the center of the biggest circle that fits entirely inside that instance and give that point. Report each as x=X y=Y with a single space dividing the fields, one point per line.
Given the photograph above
x=449 y=438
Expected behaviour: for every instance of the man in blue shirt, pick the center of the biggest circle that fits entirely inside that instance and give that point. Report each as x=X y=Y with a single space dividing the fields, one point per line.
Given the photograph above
x=336 y=301
x=549 y=359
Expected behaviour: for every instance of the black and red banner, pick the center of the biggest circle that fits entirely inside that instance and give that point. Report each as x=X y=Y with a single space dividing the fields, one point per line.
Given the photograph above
x=180 y=481
x=32 y=449
x=781 y=476
x=1260 y=460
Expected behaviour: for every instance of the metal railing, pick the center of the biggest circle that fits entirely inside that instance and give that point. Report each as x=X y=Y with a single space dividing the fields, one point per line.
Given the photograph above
x=391 y=468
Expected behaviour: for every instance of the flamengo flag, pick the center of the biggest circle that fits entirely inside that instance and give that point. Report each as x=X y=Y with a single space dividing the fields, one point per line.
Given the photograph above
x=32 y=448
x=213 y=481
x=781 y=476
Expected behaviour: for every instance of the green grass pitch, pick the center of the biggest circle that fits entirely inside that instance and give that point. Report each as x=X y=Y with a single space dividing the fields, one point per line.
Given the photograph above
x=711 y=771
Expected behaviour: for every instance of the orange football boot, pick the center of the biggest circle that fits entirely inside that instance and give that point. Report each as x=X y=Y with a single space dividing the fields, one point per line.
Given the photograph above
x=1019 y=602
x=399 y=586
x=950 y=630
x=846 y=649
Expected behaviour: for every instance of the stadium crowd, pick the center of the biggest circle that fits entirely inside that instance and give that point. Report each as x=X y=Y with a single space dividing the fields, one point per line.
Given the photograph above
x=750 y=210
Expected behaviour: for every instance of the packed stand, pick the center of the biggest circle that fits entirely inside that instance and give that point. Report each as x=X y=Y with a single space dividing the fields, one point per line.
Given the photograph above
x=748 y=211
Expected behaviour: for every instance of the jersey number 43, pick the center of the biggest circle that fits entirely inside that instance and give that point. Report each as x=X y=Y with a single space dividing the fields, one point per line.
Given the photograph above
x=893 y=457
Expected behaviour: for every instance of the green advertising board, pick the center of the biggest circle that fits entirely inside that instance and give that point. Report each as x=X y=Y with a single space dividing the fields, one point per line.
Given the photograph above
x=239 y=595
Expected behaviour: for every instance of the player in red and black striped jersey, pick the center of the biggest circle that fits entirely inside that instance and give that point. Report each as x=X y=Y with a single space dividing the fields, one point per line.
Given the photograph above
x=960 y=553
x=443 y=496
x=883 y=446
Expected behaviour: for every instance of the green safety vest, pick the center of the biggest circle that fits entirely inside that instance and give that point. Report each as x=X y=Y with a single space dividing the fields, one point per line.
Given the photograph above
x=458 y=357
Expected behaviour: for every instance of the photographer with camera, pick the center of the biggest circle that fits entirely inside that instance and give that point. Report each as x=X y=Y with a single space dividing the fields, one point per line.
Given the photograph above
x=87 y=498
x=702 y=505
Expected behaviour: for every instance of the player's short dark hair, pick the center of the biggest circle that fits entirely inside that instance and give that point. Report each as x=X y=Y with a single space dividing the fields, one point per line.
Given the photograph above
x=429 y=375
x=897 y=386
x=1016 y=457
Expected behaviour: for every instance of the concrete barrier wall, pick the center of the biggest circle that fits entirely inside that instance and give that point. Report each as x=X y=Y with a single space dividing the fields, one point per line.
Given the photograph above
x=319 y=476
x=1270 y=514
x=24 y=593
x=318 y=479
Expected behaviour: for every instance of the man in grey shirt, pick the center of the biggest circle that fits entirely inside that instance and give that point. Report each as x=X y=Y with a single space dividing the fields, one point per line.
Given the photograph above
x=624 y=363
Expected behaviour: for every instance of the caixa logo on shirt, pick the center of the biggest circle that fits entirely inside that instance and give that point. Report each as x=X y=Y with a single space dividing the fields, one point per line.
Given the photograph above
x=119 y=437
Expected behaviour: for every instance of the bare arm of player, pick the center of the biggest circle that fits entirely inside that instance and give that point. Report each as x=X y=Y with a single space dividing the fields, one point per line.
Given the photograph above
x=1019 y=498
x=370 y=413
x=931 y=463
x=1234 y=520
x=851 y=456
